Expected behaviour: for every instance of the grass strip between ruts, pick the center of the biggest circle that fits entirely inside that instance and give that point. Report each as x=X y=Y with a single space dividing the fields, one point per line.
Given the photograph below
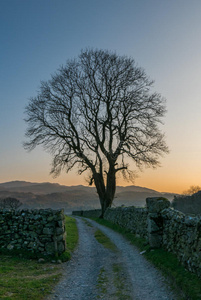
x=104 y=240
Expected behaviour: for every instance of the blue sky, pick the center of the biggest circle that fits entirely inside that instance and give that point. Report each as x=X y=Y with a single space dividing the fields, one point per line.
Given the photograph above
x=164 y=37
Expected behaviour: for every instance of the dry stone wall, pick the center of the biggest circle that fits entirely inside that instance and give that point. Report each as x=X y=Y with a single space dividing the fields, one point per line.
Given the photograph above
x=182 y=236
x=93 y=213
x=38 y=231
x=132 y=218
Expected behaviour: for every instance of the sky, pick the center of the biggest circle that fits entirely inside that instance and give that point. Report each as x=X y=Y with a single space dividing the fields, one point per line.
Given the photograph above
x=164 y=38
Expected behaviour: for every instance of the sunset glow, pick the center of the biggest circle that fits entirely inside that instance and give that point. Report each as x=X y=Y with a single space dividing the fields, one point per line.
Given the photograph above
x=164 y=37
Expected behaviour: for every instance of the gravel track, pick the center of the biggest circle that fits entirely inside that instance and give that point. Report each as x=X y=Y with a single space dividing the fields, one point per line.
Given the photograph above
x=90 y=274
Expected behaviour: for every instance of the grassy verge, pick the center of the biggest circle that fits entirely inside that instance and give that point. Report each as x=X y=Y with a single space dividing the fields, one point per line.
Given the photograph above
x=25 y=278
x=188 y=283
x=71 y=238
x=22 y=278
x=72 y=233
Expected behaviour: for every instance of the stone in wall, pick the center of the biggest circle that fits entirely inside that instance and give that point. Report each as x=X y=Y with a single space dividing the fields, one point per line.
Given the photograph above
x=155 y=221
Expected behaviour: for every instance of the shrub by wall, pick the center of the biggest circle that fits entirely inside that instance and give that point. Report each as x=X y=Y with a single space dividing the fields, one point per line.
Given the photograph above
x=188 y=204
x=38 y=231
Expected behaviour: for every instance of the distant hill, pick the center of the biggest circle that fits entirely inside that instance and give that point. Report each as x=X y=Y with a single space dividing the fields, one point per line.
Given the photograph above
x=30 y=187
x=54 y=195
x=16 y=184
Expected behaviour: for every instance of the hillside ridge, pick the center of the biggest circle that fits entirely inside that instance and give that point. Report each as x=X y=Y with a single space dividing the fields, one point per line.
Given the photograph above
x=17 y=184
x=54 y=195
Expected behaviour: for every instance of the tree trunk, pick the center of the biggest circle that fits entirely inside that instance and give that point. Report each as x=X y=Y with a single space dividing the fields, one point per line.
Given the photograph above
x=107 y=199
x=100 y=188
x=106 y=194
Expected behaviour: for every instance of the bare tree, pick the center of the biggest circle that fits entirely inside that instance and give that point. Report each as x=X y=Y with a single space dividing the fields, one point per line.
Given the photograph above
x=10 y=203
x=192 y=190
x=95 y=112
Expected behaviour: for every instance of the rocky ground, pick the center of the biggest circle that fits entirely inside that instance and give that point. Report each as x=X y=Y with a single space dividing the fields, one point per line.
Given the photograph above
x=95 y=272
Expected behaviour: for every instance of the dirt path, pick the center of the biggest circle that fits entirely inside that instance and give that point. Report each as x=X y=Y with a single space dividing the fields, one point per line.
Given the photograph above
x=95 y=272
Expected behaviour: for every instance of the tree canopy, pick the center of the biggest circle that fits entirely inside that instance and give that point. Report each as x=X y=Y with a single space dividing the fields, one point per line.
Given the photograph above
x=94 y=113
x=192 y=190
x=10 y=203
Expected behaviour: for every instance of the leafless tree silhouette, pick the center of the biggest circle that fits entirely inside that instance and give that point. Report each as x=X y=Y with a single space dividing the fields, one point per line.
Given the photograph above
x=10 y=203
x=95 y=112
x=192 y=190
